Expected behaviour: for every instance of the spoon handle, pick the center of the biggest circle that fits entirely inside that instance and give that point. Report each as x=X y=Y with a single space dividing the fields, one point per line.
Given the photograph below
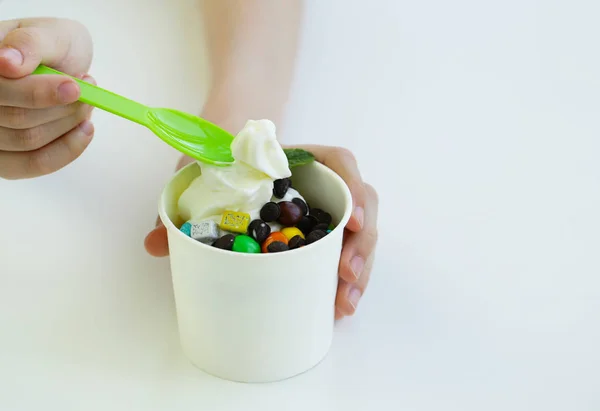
x=106 y=100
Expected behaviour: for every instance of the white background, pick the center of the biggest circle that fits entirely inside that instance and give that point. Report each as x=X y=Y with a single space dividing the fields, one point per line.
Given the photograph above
x=483 y=118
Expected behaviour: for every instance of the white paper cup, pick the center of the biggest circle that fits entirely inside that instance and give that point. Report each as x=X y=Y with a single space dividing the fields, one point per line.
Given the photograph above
x=257 y=317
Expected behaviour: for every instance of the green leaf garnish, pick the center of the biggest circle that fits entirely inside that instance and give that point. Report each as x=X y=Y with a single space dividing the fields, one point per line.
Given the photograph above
x=298 y=157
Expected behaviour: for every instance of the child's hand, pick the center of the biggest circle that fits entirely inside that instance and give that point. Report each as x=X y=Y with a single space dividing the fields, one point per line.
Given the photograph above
x=42 y=126
x=360 y=240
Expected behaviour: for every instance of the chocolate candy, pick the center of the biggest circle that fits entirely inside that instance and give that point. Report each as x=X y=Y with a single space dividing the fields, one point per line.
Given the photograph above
x=259 y=230
x=290 y=213
x=291 y=232
x=296 y=242
x=225 y=242
x=303 y=206
x=270 y=212
x=320 y=226
x=206 y=231
x=281 y=186
x=186 y=228
x=277 y=246
x=307 y=223
x=235 y=221
x=245 y=244
x=315 y=235
x=321 y=215
x=274 y=236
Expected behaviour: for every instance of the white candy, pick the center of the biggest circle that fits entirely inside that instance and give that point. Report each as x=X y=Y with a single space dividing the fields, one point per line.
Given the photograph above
x=206 y=231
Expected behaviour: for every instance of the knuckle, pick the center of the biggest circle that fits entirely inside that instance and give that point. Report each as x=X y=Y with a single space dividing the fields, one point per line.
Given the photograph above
x=14 y=117
x=39 y=97
x=372 y=192
x=343 y=152
x=372 y=237
x=40 y=163
x=29 y=139
x=25 y=37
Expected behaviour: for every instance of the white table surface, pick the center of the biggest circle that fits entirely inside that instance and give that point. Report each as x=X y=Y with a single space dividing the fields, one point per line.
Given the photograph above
x=483 y=118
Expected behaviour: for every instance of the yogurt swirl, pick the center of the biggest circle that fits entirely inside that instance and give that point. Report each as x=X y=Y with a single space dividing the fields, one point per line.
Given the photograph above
x=244 y=186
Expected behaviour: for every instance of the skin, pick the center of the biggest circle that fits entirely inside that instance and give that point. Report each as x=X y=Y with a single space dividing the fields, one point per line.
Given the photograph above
x=252 y=48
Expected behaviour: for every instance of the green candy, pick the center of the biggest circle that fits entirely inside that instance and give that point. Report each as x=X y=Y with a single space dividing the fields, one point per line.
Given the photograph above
x=245 y=244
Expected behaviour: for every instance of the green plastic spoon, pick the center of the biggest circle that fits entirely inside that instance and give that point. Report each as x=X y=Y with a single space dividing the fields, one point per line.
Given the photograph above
x=189 y=134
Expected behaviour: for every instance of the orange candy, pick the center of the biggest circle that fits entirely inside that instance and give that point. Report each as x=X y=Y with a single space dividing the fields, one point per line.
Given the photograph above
x=274 y=236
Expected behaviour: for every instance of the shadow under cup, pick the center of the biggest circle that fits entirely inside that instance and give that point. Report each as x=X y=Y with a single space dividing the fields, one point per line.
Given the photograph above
x=257 y=317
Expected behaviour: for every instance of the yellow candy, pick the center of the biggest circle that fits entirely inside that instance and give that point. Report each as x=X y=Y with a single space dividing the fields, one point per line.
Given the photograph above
x=291 y=232
x=235 y=222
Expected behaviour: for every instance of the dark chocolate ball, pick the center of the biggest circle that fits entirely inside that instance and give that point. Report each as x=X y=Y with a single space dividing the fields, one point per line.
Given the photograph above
x=303 y=206
x=296 y=242
x=225 y=242
x=259 y=230
x=270 y=212
x=281 y=186
x=290 y=213
x=307 y=223
x=277 y=246
x=315 y=236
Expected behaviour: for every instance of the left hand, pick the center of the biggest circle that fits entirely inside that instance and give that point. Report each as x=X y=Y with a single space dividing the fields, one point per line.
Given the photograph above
x=360 y=237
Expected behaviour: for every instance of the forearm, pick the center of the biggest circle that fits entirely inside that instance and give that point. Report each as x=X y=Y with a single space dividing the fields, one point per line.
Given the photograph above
x=252 y=47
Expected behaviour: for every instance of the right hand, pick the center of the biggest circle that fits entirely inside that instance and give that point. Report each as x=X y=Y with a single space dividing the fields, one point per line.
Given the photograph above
x=42 y=126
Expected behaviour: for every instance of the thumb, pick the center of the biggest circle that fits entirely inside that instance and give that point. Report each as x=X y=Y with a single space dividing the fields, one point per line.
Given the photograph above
x=62 y=44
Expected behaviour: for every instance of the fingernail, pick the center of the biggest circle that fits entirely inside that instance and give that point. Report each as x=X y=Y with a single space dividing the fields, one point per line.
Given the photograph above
x=87 y=127
x=13 y=56
x=357 y=263
x=354 y=297
x=359 y=214
x=90 y=79
x=68 y=92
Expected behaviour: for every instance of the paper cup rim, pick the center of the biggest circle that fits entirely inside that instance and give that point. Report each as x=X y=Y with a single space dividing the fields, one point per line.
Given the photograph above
x=170 y=226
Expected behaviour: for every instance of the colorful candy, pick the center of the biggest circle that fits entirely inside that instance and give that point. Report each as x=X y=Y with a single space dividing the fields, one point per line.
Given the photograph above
x=295 y=222
x=235 y=221
x=186 y=228
x=245 y=244
x=206 y=231
x=274 y=236
x=291 y=232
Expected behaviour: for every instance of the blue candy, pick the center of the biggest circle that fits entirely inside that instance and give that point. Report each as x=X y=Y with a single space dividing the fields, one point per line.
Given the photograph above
x=186 y=229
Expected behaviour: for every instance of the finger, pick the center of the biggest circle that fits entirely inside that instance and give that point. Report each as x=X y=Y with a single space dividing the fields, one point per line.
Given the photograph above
x=37 y=137
x=343 y=162
x=49 y=158
x=359 y=246
x=156 y=242
x=40 y=91
x=58 y=43
x=349 y=295
x=18 y=118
